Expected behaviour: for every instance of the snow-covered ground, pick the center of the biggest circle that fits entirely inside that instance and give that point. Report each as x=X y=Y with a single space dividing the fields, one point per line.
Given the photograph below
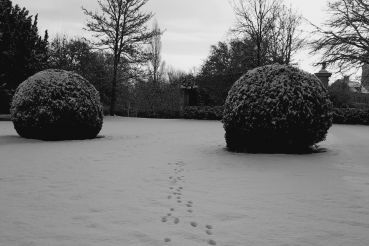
x=151 y=181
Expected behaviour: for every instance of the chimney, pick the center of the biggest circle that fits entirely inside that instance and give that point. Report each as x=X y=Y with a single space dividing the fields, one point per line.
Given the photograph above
x=346 y=79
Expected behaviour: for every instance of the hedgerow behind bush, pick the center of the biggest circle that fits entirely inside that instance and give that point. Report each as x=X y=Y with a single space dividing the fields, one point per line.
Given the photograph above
x=56 y=105
x=276 y=108
x=353 y=116
x=203 y=112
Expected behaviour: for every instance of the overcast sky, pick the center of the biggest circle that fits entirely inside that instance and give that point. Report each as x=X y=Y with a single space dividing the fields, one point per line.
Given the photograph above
x=192 y=26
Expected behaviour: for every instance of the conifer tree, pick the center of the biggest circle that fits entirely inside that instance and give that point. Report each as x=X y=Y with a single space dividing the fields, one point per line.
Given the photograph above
x=23 y=52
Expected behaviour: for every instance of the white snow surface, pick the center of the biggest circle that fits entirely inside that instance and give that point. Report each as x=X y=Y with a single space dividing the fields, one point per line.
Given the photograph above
x=116 y=190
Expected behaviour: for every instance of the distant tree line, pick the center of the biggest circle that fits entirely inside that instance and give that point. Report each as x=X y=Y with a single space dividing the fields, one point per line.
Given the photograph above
x=124 y=60
x=140 y=91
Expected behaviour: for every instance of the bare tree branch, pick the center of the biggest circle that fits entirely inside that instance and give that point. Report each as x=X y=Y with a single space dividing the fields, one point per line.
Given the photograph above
x=344 y=39
x=272 y=27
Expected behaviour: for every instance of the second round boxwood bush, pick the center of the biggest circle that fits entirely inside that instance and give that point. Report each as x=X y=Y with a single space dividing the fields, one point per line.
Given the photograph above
x=276 y=108
x=57 y=105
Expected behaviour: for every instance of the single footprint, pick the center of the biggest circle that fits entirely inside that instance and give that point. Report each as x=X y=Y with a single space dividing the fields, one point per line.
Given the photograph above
x=169 y=197
x=209 y=227
x=171 y=188
x=176 y=220
x=190 y=211
x=209 y=232
x=212 y=242
x=189 y=205
x=172 y=209
x=167 y=240
x=179 y=201
x=194 y=224
x=164 y=219
x=169 y=214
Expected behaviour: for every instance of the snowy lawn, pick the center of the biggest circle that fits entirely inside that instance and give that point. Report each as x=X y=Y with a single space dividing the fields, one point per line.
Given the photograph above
x=150 y=181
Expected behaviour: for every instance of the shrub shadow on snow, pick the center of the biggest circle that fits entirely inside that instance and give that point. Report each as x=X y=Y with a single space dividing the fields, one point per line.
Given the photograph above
x=15 y=139
x=306 y=151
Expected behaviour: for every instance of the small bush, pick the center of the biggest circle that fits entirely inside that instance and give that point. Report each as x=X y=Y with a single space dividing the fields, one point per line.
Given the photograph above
x=353 y=116
x=339 y=93
x=276 y=108
x=57 y=105
x=203 y=112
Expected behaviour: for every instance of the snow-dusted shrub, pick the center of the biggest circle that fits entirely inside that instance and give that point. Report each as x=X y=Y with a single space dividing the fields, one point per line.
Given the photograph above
x=55 y=105
x=276 y=108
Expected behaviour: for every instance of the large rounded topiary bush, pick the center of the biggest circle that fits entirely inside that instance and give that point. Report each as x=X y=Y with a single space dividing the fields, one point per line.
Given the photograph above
x=276 y=108
x=56 y=105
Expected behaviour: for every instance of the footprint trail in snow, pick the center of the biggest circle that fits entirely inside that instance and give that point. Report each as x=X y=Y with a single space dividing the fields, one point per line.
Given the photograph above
x=179 y=204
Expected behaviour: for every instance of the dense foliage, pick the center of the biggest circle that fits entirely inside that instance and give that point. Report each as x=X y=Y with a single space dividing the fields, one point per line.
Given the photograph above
x=340 y=94
x=203 y=112
x=22 y=51
x=352 y=116
x=55 y=105
x=157 y=100
x=77 y=55
x=276 y=108
x=225 y=65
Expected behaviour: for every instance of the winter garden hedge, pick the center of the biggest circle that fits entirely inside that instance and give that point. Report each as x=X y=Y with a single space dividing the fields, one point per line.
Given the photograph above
x=276 y=108
x=354 y=116
x=57 y=105
x=203 y=112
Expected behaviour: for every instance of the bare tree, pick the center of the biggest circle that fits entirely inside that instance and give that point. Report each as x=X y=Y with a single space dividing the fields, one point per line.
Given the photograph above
x=155 y=64
x=285 y=38
x=344 y=39
x=121 y=27
x=255 y=19
x=271 y=26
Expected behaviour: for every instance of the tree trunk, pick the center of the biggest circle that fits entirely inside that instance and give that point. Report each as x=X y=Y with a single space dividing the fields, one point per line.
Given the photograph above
x=128 y=109
x=114 y=88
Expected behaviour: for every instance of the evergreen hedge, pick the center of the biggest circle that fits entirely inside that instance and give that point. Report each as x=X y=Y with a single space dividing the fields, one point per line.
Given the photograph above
x=276 y=108
x=57 y=105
